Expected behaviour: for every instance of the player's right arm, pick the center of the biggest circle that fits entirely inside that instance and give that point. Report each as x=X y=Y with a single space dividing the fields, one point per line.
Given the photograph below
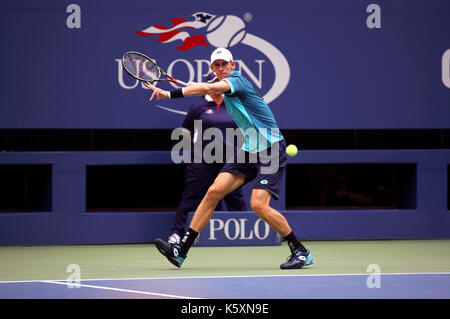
x=200 y=89
x=194 y=89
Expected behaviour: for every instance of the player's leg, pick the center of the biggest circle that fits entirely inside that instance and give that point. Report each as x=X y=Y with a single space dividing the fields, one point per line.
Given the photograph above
x=223 y=184
x=198 y=177
x=268 y=185
x=300 y=255
x=259 y=202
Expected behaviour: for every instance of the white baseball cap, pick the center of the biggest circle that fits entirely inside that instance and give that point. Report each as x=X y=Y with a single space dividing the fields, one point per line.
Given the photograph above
x=221 y=54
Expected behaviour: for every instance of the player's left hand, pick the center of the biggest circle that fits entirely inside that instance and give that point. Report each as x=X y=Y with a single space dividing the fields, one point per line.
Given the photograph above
x=160 y=94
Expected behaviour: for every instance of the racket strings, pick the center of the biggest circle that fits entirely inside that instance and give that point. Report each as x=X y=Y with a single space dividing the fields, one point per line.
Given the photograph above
x=141 y=67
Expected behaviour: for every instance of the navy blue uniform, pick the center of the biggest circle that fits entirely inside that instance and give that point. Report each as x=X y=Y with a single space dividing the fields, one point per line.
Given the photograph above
x=199 y=176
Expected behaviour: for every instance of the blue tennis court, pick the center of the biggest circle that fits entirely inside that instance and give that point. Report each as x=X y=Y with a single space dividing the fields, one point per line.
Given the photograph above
x=339 y=286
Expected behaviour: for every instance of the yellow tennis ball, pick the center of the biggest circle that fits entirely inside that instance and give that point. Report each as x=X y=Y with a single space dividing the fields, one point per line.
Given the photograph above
x=291 y=150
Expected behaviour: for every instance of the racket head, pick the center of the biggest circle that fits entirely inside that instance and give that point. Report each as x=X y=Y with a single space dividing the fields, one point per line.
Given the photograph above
x=141 y=67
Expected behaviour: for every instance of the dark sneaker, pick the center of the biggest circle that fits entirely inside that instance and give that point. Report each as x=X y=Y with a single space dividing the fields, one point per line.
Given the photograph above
x=298 y=260
x=171 y=252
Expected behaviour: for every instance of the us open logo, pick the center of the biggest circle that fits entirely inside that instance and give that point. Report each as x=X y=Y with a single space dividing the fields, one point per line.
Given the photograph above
x=209 y=30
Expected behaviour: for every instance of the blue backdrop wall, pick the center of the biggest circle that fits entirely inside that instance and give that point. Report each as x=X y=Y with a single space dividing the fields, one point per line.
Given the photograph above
x=320 y=64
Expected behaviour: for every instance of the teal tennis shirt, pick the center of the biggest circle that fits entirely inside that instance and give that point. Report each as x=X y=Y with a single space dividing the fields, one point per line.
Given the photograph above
x=251 y=114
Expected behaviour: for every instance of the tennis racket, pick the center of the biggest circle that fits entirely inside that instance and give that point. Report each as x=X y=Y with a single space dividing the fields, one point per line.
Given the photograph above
x=142 y=68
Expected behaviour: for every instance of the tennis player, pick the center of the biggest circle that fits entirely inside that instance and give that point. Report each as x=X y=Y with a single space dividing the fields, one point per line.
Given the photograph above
x=199 y=175
x=251 y=113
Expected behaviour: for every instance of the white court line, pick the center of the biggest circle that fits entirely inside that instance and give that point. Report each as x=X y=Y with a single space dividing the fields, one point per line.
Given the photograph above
x=117 y=289
x=234 y=276
x=269 y=276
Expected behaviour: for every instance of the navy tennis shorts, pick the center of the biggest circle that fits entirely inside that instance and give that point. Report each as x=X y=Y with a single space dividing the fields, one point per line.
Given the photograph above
x=266 y=169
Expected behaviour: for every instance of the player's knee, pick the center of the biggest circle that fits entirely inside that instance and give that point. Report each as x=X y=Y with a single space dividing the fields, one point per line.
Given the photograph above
x=259 y=207
x=215 y=193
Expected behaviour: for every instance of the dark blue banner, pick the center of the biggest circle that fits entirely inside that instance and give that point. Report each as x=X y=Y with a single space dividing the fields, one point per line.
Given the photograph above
x=237 y=229
x=319 y=64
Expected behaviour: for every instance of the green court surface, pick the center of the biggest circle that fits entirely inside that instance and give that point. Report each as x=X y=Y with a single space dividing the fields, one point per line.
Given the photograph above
x=23 y=263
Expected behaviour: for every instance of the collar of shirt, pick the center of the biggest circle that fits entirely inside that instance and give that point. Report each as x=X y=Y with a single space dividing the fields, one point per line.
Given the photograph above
x=210 y=99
